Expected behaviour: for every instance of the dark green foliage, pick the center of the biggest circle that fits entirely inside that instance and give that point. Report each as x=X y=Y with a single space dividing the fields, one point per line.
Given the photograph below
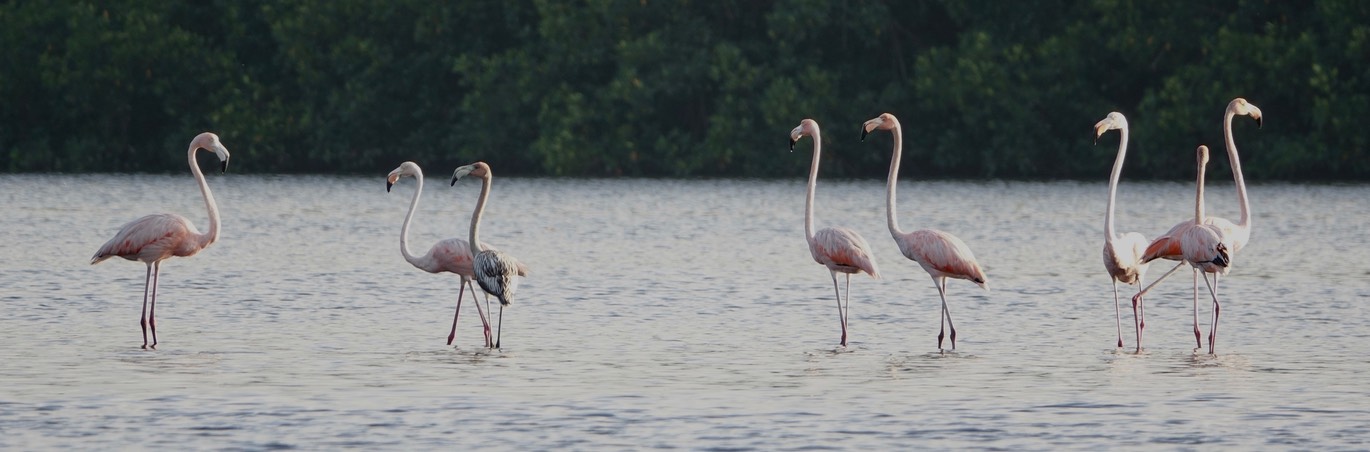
x=684 y=88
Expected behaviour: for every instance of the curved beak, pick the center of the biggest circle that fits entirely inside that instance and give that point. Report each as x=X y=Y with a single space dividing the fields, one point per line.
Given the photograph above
x=864 y=132
x=454 y=181
x=388 y=184
x=792 y=142
x=223 y=167
x=1258 y=122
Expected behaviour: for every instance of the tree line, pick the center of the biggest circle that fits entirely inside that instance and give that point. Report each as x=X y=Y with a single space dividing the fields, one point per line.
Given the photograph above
x=984 y=89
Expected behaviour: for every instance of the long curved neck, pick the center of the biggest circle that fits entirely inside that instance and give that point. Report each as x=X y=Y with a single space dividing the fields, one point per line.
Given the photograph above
x=404 y=230
x=813 y=183
x=480 y=209
x=1245 y=216
x=212 y=235
x=1109 y=233
x=1199 y=197
x=892 y=180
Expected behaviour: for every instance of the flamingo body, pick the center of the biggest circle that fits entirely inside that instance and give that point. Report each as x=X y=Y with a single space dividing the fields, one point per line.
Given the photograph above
x=154 y=238
x=843 y=250
x=940 y=254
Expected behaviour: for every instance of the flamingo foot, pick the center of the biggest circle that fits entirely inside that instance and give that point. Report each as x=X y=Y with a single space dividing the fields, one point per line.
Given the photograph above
x=940 y=335
x=953 y=339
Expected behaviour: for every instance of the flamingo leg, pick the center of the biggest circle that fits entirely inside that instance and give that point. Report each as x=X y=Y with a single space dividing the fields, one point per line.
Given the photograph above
x=461 y=290
x=142 y=315
x=841 y=314
x=485 y=323
x=500 y=328
x=846 y=305
x=152 y=308
x=1198 y=341
x=1138 y=318
x=1213 y=329
x=488 y=342
x=1137 y=298
x=942 y=292
x=1117 y=316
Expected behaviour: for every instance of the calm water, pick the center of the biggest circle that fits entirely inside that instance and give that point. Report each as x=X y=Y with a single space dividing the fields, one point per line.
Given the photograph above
x=668 y=314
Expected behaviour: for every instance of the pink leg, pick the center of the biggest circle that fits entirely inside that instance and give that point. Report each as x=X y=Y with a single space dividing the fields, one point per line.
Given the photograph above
x=1138 y=297
x=1213 y=330
x=485 y=323
x=461 y=290
x=841 y=316
x=142 y=315
x=151 y=315
x=942 y=292
x=1117 y=315
x=1198 y=341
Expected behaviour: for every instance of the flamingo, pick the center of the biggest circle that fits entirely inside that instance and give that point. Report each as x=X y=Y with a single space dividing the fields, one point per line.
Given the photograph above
x=450 y=255
x=1122 y=253
x=1234 y=235
x=154 y=238
x=494 y=270
x=840 y=249
x=1196 y=243
x=940 y=254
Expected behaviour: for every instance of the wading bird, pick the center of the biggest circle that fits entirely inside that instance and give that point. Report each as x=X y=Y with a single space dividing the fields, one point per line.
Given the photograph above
x=940 y=254
x=839 y=249
x=154 y=238
x=494 y=270
x=1196 y=243
x=1122 y=253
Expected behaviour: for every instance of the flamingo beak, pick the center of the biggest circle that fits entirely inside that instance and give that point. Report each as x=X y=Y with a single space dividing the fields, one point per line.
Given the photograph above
x=1258 y=122
x=864 y=132
x=388 y=184
x=223 y=167
x=792 y=142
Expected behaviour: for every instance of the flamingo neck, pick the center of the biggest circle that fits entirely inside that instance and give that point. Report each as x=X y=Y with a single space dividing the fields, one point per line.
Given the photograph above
x=1199 y=196
x=1244 y=220
x=813 y=183
x=404 y=230
x=474 y=238
x=892 y=181
x=212 y=235
x=1109 y=233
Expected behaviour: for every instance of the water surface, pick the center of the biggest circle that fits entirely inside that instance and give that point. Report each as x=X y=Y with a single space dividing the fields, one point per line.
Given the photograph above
x=671 y=314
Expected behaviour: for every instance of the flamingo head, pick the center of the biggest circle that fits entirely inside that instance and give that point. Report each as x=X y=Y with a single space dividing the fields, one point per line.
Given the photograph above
x=1240 y=106
x=478 y=169
x=885 y=121
x=210 y=142
x=1113 y=121
x=806 y=127
x=410 y=169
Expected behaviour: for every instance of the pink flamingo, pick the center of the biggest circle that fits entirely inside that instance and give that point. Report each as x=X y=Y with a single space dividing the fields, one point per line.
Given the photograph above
x=154 y=238
x=1199 y=244
x=839 y=249
x=940 y=254
x=1234 y=235
x=450 y=255
x=494 y=270
x=1122 y=253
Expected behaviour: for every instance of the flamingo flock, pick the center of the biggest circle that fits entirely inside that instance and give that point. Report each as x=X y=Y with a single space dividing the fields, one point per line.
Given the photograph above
x=1207 y=244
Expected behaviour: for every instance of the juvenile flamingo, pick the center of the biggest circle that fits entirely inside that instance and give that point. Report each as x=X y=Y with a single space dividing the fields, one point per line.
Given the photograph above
x=450 y=255
x=494 y=270
x=940 y=254
x=154 y=238
x=839 y=249
x=1234 y=235
x=1122 y=253
x=1196 y=243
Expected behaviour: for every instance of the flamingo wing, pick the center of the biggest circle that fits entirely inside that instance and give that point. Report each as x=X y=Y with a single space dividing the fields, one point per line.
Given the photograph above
x=495 y=273
x=149 y=239
x=842 y=249
x=942 y=254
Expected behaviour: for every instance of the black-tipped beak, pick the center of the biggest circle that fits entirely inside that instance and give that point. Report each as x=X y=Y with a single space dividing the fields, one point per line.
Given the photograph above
x=1258 y=122
x=792 y=142
x=388 y=184
x=864 y=132
x=1222 y=259
x=1096 y=140
x=223 y=167
x=454 y=181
